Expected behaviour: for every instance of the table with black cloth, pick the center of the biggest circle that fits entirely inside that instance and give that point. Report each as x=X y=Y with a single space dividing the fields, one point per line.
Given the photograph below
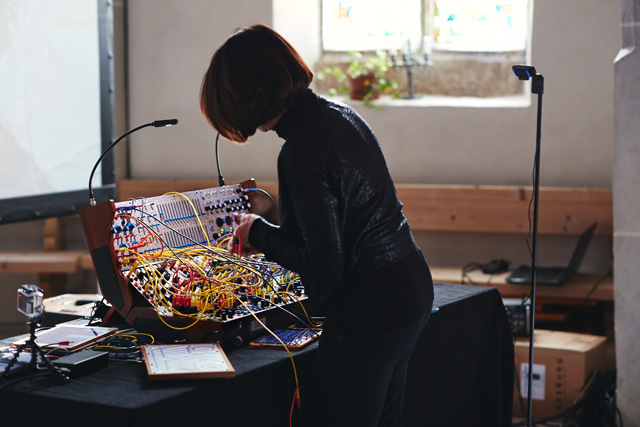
x=461 y=374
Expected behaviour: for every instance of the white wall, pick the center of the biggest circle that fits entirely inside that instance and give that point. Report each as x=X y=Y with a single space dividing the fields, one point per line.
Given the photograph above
x=170 y=46
x=574 y=43
x=573 y=47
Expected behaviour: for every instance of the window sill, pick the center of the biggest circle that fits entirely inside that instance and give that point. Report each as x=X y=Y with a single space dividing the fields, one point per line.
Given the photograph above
x=516 y=101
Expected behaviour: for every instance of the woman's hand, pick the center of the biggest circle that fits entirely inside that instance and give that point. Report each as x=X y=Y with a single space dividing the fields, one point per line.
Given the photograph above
x=239 y=243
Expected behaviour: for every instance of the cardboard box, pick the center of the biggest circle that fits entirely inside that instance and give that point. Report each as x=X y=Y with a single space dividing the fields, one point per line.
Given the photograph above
x=562 y=363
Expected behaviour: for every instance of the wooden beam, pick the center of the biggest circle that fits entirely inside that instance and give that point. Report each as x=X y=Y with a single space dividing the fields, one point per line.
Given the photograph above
x=52 y=234
x=581 y=287
x=43 y=262
x=51 y=284
x=503 y=209
x=460 y=208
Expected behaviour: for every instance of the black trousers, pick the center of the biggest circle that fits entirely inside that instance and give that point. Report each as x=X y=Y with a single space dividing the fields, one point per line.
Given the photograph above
x=364 y=351
x=361 y=381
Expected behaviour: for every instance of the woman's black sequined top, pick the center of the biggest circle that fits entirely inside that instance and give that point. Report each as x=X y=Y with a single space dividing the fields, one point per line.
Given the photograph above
x=339 y=214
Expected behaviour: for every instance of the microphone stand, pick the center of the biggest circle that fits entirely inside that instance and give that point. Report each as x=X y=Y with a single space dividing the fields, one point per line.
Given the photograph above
x=156 y=123
x=537 y=86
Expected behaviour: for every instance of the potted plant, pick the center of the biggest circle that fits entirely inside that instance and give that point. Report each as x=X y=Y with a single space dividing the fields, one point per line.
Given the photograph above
x=365 y=78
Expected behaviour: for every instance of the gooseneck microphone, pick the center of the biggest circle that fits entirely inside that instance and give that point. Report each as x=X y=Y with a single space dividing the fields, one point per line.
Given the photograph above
x=156 y=123
x=220 y=178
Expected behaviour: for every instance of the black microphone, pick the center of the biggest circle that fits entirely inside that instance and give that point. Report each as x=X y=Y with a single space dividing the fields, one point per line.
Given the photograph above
x=156 y=123
x=524 y=72
x=162 y=123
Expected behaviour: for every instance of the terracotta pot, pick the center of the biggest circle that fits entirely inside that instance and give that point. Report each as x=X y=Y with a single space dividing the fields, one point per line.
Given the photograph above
x=359 y=87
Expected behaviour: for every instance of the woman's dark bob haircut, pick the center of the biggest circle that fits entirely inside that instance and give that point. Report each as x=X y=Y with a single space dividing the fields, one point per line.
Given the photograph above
x=254 y=76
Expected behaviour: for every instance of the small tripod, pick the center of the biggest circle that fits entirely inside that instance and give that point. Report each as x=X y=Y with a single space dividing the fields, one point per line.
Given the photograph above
x=29 y=303
x=35 y=351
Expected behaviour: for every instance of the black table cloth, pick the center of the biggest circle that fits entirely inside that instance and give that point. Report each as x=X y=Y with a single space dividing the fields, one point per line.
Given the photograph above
x=461 y=374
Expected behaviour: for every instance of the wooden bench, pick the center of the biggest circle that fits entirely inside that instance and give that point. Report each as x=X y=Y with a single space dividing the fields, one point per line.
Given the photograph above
x=450 y=208
x=52 y=263
x=459 y=208
x=45 y=262
x=479 y=209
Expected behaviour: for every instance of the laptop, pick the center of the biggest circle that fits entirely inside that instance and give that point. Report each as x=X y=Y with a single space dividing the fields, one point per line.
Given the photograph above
x=555 y=276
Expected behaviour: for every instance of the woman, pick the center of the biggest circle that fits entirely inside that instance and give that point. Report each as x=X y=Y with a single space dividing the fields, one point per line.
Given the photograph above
x=341 y=224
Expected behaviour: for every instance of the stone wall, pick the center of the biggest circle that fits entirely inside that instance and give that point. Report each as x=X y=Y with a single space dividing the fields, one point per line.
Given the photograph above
x=626 y=209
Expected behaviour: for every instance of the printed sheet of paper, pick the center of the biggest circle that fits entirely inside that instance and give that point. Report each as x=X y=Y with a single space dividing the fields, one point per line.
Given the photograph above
x=180 y=361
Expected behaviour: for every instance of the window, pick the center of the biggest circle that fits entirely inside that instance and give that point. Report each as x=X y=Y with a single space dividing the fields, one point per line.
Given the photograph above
x=469 y=25
x=472 y=44
x=480 y=25
x=366 y=25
